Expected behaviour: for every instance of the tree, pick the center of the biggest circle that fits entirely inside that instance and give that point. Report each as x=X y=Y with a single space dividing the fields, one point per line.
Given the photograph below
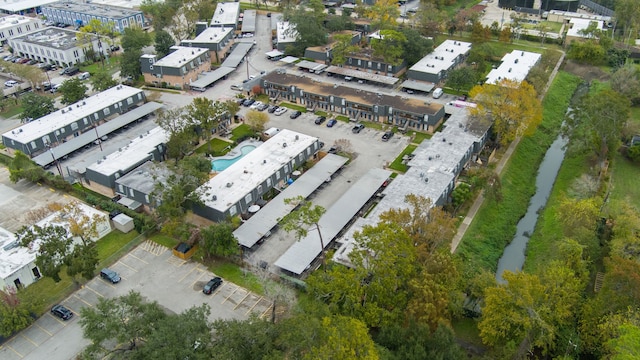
x=84 y=257
x=627 y=15
x=162 y=12
x=383 y=14
x=164 y=41
x=597 y=122
x=343 y=338
x=218 y=240
x=416 y=46
x=342 y=48
x=130 y=64
x=627 y=345
x=430 y=19
x=300 y=219
x=72 y=90
x=14 y=314
x=133 y=40
x=625 y=241
x=102 y=80
x=309 y=30
x=417 y=342
x=206 y=114
x=462 y=78
x=589 y=52
x=339 y=23
x=390 y=46
x=35 y=106
x=172 y=120
x=22 y=167
x=626 y=81
x=126 y=321
x=53 y=246
x=256 y=120
x=513 y=107
x=249 y=339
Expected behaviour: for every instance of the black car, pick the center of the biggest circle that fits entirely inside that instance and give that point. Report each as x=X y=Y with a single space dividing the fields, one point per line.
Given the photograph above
x=110 y=275
x=386 y=136
x=334 y=149
x=248 y=102
x=356 y=129
x=272 y=109
x=212 y=285
x=115 y=48
x=295 y=114
x=320 y=120
x=61 y=312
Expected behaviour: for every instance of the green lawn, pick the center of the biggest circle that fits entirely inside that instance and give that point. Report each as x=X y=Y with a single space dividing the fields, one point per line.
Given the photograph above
x=294 y=107
x=241 y=131
x=552 y=27
x=235 y=274
x=397 y=163
x=342 y=118
x=164 y=240
x=218 y=147
x=113 y=242
x=494 y=224
x=112 y=66
x=625 y=181
x=11 y=111
x=419 y=137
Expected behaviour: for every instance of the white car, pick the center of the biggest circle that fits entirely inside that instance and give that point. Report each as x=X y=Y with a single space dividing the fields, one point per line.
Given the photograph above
x=255 y=105
x=280 y=111
x=10 y=83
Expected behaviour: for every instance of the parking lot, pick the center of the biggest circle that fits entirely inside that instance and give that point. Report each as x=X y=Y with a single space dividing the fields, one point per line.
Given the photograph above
x=150 y=269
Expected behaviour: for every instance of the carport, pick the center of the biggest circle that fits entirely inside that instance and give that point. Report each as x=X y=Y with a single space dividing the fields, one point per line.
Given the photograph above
x=261 y=223
x=310 y=65
x=417 y=85
x=357 y=74
x=302 y=253
x=210 y=77
x=237 y=55
x=92 y=135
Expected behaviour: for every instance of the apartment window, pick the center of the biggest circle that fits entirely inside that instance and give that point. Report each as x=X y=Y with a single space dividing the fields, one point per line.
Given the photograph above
x=10 y=32
x=95 y=116
x=140 y=96
x=248 y=198
x=106 y=111
x=131 y=193
x=28 y=27
x=233 y=210
x=259 y=189
x=33 y=145
x=130 y=101
x=62 y=130
x=146 y=198
x=86 y=121
x=269 y=182
x=74 y=126
x=19 y=30
x=2 y=35
x=278 y=175
x=120 y=188
x=46 y=139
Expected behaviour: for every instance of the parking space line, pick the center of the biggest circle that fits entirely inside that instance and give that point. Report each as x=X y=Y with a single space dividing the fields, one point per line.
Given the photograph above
x=264 y=313
x=230 y=295
x=198 y=279
x=97 y=293
x=57 y=319
x=81 y=299
x=29 y=340
x=254 y=305
x=120 y=262
x=243 y=299
x=187 y=274
x=14 y=350
x=43 y=329
x=130 y=254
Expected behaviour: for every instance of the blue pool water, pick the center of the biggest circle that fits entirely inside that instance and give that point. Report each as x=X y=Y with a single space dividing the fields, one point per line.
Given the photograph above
x=221 y=164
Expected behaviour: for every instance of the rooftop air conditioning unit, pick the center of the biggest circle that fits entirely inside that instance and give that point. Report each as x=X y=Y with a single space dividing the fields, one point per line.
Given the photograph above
x=229 y=184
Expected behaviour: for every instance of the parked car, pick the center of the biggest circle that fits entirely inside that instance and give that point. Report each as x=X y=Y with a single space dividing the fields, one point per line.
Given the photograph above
x=61 y=312
x=320 y=120
x=24 y=61
x=212 y=285
x=10 y=83
x=280 y=111
x=272 y=109
x=72 y=70
x=110 y=275
x=32 y=62
x=332 y=122
x=248 y=102
x=114 y=48
x=296 y=114
x=334 y=149
x=386 y=136
x=356 y=129
x=256 y=105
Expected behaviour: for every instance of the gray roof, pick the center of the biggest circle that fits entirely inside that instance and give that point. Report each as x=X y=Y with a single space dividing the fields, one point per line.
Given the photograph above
x=145 y=177
x=310 y=65
x=417 y=85
x=210 y=77
x=237 y=55
x=15 y=6
x=249 y=21
x=180 y=56
x=302 y=253
x=99 y=11
x=89 y=136
x=442 y=58
x=249 y=233
x=377 y=78
x=226 y=14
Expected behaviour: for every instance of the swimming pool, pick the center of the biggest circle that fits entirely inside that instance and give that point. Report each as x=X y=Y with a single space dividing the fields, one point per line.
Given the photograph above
x=223 y=163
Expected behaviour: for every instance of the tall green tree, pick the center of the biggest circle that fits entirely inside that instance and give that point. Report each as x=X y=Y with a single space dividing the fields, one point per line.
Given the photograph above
x=343 y=338
x=626 y=81
x=133 y=40
x=462 y=78
x=417 y=342
x=72 y=90
x=163 y=42
x=162 y=12
x=416 y=46
x=53 y=245
x=390 y=46
x=383 y=14
x=302 y=218
x=218 y=240
x=342 y=48
x=35 y=106
x=15 y=315
x=309 y=31
x=206 y=114
x=102 y=80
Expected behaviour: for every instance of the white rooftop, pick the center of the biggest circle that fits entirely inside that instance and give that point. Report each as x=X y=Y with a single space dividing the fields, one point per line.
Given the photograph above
x=15 y=20
x=577 y=25
x=232 y=184
x=211 y=35
x=63 y=117
x=12 y=257
x=18 y=5
x=432 y=170
x=120 y=3
x=133 y=154
x=180 y=56
x=515 y=66
x=286 y=32
x=571 y=14
x=442 y=57
x=226 y=14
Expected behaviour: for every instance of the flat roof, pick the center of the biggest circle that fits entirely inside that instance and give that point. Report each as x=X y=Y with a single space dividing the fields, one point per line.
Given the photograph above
x=90 y=136
x=286 y=32
x=302 y=253
x=14 y=20
x=232 y=184
x=432 y=170
x=13 y=257
x=249 y=21
x=377 y=78
x=120 y=3
x=252 y=230
x=289 y=59
x=354 y=95
x=578 y=25
x=63 y=117
x=237 y=55
x=137 y=151
x=310 y=65
x=442 y=57
x=571 y=14
x=212 y=35
x=19 y=5
x=209 y=77
x=51 y=37
x=145 y=177
x=417 y=85
x=274 y=53
x=180 y=56
x=95 y=10
x=515 y=66
x=226 y=14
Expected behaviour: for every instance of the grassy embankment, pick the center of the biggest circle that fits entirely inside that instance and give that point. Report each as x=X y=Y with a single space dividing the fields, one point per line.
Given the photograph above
x=494 y=225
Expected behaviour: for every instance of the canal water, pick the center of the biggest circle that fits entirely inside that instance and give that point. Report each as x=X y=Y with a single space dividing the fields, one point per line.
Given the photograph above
x=514 y=254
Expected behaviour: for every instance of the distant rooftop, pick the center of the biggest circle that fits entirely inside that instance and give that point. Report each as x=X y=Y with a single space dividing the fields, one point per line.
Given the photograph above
x=576 y=15
x=578 y=25
x=180 y=56
x=19 y=5
x=442 y=57
x=63 y=117
x=51 y=37
x=286 y=32
x=15 y=20
x=136 y=152
x=99 y=11
x=226 y=14
x=232 y=184
x=515 y=66
x=145 y=177
x=210 y=35
x=249 y=21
